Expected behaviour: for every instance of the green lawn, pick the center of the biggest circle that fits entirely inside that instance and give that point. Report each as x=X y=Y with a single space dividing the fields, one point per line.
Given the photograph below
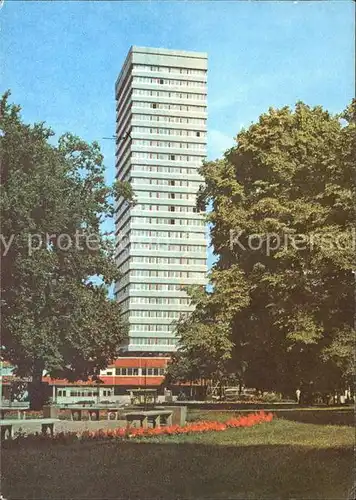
x=284 y=459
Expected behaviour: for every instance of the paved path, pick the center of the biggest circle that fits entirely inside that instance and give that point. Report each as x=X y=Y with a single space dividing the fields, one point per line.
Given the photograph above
x=77 y=426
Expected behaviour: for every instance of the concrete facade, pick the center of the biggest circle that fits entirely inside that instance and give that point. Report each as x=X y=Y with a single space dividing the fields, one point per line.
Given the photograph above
x=161 y=106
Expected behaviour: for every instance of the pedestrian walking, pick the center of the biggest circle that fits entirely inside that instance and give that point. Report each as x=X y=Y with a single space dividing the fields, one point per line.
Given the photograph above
x=297 y=393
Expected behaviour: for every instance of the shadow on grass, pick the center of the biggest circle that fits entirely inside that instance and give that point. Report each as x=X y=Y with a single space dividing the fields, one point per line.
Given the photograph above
x=322 y=417
x=122 y=470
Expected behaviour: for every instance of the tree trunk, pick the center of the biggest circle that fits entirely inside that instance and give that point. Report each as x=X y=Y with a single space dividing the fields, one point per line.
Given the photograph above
x=36 y=388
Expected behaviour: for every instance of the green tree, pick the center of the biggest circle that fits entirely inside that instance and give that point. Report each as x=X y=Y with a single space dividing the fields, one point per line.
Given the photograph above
x=283 y=220
x=53 y=202
x=205 y=345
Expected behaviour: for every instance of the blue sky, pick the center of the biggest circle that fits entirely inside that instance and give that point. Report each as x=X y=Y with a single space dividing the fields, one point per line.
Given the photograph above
x=61 y=59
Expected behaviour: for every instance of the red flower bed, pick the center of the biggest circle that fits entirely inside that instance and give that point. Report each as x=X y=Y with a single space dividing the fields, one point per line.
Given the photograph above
x=250 y=419
x=177 y=429
x=136 y=432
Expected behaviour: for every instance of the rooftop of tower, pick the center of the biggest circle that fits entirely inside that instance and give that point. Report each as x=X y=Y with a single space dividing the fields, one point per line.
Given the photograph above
x=171 y=52
x=160 y=52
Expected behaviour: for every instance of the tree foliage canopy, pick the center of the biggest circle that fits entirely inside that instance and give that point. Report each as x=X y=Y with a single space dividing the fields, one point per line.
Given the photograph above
x=283 y=229
x=53 y=201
